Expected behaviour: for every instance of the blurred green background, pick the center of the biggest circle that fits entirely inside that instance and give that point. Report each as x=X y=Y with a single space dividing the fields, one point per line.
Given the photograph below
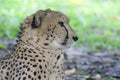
x=96 y=22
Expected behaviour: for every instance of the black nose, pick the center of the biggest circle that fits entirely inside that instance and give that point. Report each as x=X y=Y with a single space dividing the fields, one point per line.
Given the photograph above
x=75 y=38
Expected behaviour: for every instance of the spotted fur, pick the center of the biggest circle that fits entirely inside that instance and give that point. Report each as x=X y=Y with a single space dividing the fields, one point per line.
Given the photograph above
x=38 y=53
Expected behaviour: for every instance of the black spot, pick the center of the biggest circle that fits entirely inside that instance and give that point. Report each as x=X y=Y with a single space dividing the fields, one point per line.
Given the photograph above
x=58 y=57
x=24 y=78
x=21 y=57
x=28 y=62
x=46 y=44
x=13 y=79
x=23 y=73
x=24 y=66
x=47 y=38
x=18 y=57
x=6 y=77
x=39 y=77
x=3 y=67
x=20 y=63
x=29 y=51
x=20 y=68
x=7 y=73
x=48 y=29
x=43 y=60
x=51 y=35
x=29 y=76
x=41 y=71
x=58 y=67
x=40 y=66
x=8 y=68
x=46 y=66
x=43 y=56
x=44 y=72
x=44 y=76
x=40 y=60
x=35 y=65
x=36 y=55
x=25 y=58
x=28 y=69
x=16 y=75
x=35 y=73
x=32 y=60
x=17 y=71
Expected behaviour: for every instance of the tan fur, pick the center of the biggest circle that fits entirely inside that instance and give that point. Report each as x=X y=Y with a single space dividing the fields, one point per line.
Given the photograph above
x=38 y=54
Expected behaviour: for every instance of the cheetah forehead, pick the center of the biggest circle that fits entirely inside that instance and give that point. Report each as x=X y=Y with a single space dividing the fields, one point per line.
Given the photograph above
x=36 y=19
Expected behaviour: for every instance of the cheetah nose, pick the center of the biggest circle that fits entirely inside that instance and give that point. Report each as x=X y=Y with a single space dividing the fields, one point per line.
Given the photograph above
x=75 y=38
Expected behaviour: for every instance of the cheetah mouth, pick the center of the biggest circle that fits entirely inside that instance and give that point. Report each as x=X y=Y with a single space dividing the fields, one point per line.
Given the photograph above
x=56 y=43
x=65 y=42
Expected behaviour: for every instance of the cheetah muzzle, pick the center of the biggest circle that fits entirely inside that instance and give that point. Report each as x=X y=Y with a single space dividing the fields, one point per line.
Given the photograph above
x=38 y=53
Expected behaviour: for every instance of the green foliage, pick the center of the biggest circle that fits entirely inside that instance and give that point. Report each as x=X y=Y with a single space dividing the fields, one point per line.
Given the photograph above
x=3 y=47
x=96 y=22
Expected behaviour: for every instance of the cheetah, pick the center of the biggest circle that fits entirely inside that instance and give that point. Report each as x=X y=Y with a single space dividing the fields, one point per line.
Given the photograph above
x=38 y=53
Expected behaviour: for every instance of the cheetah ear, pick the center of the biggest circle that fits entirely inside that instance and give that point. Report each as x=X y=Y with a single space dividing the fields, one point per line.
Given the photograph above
x=38 y=18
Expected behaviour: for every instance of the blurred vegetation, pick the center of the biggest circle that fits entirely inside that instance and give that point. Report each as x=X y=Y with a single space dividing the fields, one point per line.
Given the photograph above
x=3 y=47
x=96 y=22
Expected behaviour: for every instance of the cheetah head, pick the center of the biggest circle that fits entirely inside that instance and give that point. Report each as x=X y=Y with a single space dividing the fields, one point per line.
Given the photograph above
x=53 y=29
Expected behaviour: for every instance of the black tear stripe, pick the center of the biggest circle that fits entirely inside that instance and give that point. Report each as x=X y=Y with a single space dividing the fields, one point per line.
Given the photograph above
x=66 y=38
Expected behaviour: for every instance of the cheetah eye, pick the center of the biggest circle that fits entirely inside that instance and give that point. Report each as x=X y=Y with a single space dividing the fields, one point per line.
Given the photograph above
x=61 y=23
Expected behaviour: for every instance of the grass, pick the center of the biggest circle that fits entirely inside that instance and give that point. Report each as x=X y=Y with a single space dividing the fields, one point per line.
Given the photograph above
x=3 y=47
x=96 y=22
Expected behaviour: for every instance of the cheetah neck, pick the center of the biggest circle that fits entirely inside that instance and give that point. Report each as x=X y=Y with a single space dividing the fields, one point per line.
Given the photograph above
x=37 y=46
